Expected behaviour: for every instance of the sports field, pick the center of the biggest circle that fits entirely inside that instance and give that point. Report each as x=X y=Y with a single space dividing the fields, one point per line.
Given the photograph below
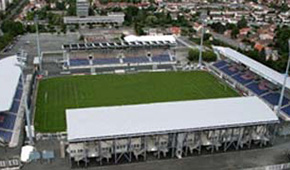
x=57 y=94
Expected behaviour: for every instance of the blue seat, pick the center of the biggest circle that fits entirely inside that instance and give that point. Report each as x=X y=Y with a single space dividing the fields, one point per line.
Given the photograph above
x=79 y=62
x=227 y=71
x=286 y=110
x=18 y=94
x=15 y=106
x=273 y=98
x=220 y=64
x=254 y=87
x=161 y=58
x=240 y=79
x=136 y=60
x=8 y=121
x=101 y=61
x=6 y=135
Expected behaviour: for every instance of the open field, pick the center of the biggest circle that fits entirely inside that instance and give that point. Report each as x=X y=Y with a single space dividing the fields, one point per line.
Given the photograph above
x=57 y=94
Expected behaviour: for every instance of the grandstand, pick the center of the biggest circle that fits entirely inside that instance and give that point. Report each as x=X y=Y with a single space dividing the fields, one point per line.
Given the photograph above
x=252 y=77
x=118 y=58
x=165 y=130
x=11 y=90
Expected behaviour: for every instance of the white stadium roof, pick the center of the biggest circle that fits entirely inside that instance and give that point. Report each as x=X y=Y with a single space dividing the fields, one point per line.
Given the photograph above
x=133 y=120
x=257 y=67
x=9 y=78
x=133 y=38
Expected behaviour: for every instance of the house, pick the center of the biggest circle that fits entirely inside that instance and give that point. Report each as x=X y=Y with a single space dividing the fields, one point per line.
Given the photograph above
x=197 y=27
x=175 y=31
x=244 y=31
x=259 y=47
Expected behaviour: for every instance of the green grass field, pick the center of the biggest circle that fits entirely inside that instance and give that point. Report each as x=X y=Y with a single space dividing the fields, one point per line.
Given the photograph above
x=57 y=94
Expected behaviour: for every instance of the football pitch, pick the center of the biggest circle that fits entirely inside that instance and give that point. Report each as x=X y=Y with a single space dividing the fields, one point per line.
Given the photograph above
x=57 y=94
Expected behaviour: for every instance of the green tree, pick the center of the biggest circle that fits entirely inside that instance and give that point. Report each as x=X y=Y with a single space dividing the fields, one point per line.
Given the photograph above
x=193 y=55
x=235 y=32
x=243 y=23
x=208 y=56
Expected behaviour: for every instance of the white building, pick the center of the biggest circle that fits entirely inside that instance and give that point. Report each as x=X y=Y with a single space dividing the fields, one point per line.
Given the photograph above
x=82 y=8
x=172 y=129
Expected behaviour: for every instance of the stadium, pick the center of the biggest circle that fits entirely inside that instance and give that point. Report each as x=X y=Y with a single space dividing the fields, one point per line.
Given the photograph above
x=129 y=101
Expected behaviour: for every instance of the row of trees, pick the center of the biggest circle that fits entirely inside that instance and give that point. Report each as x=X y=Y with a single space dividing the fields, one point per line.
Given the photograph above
x=141 y=18
x=208 y=56
x=10 y=30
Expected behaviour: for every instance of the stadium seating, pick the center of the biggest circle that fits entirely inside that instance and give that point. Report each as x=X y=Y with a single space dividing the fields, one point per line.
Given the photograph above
x=161 y=58
x=136 y=60
x=18 y=94
x=273 y=98
x=5 y=135
x=220 y=64
x=101 y=61
x=7 y=121
x=15 y=106
x=286 y=110
x=254 y=87
x=229 y=70
x=79 y=62
x=241 y=79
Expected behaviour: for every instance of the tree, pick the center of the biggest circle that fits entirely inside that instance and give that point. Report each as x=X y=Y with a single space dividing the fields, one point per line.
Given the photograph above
x=281 y=39
x=235 y=32
x=243 y=23
x=193 y=55
x=208 y=56
x=218 y=27
x=13 y=28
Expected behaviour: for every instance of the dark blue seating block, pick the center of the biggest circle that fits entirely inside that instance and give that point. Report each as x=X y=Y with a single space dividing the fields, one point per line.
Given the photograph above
x=101 y=61
x=228 y=71
x=136 y=60
x=161 y=58
x=220 y=64
x=15 y=106
x=8 y=121
x=79 y=62
x=286 y=110
x=241 y=80
x=6 y=135
x=18 y=94
x=254 y=87
x=273 y=98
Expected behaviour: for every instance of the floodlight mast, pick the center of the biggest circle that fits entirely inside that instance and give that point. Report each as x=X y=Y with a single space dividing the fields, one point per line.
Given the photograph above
x=22 y=58
x=203 y=18
x=37 y=42
x=284 y=82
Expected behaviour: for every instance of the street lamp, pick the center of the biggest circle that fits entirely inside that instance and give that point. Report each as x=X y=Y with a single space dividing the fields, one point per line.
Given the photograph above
x=21 y=64
x=284 y=82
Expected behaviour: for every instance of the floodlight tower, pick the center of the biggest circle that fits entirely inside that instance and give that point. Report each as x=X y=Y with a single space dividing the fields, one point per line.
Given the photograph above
x=203 y=20
x=284 y=82
x=37 y=42
x=22 y=58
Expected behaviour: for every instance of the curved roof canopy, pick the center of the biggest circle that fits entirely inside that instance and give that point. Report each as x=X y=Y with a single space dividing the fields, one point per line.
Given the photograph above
x=9 y=78
x=255 y=66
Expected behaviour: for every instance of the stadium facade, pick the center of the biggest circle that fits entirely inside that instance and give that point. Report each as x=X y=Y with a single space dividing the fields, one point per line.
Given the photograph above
x=166 y=130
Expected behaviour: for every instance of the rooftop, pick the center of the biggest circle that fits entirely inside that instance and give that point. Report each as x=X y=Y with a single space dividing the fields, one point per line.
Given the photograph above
x=9 y=77
x=134 y=120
